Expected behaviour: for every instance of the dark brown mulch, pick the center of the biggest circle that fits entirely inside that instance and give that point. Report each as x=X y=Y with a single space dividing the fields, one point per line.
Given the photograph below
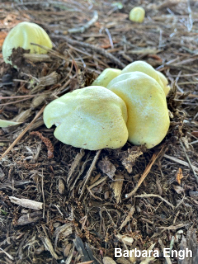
x=84 y=204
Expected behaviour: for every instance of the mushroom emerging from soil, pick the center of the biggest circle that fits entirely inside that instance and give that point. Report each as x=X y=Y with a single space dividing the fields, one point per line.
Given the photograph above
x=146 y=68
x=91 y=118
x=137 y=14
x=22 y=35
x=106 y=76
x=148 y=118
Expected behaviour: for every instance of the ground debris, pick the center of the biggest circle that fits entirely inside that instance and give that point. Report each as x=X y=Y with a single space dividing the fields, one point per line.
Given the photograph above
x=117 y=187
x=84 y=208
x=47 y=142
x=27 y=203
x=129 y=158
x=189 y=242
x=27 y=219
x=107 y=167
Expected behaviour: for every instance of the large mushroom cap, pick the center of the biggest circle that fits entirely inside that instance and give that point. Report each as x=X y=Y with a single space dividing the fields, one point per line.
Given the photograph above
x=146 y=68
x=22 y=35
x=148 y=119
x=90 y=118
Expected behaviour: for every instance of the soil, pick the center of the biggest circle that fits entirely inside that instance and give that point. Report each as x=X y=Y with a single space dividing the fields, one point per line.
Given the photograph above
x=60 y=204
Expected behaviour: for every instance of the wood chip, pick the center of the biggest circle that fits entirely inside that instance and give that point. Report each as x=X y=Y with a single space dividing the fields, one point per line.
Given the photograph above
x=48 y=246
x=26 y=203
x=29 y=218
x=117 y=187
x=127 y=240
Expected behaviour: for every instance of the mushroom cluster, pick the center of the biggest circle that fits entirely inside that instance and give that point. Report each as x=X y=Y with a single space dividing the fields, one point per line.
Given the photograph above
x=106 y=78
x=119 y=106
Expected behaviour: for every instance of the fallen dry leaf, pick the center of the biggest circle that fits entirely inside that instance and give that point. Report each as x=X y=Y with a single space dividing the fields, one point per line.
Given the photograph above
x=179 y=175
x=3 y=35
x=107 y=167
x=178 y=189
x=129 y=159
x=125 y=239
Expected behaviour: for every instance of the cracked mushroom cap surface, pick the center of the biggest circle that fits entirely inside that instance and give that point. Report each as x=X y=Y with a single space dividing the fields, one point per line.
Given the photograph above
x=148 y=119
x=91 y=118
x=22 y=35
x=146 y=68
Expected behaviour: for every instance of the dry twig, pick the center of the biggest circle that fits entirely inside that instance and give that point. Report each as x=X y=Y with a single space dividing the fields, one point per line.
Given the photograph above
x=6 y=253
x=157 y=196
x=75 y=163
x=47 y=143
x=128 y=218
x=92 y=47
x=22 y=133
x=190 y=164
x=184 y=163
x=90 y=171
x=145 y=173
x=86 y=26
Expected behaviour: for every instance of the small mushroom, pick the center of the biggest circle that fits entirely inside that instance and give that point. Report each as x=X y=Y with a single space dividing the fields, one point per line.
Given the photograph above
x=106 y=76
x=146 y=68
x=90 y=118
x=22 y=35
x=148 y=118
x=137 y=14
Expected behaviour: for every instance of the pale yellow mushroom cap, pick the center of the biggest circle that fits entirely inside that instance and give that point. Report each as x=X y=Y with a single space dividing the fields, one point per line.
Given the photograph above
x=120 y=78
x=90 y=118
x=148 y=119
x=106 y=76
x=22 y=35
x=137 y=14
x=146 y=68
x=164 y=82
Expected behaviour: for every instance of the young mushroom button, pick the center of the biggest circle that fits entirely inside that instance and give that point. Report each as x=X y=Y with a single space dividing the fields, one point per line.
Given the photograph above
x=91 y=118
x=137 y=14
